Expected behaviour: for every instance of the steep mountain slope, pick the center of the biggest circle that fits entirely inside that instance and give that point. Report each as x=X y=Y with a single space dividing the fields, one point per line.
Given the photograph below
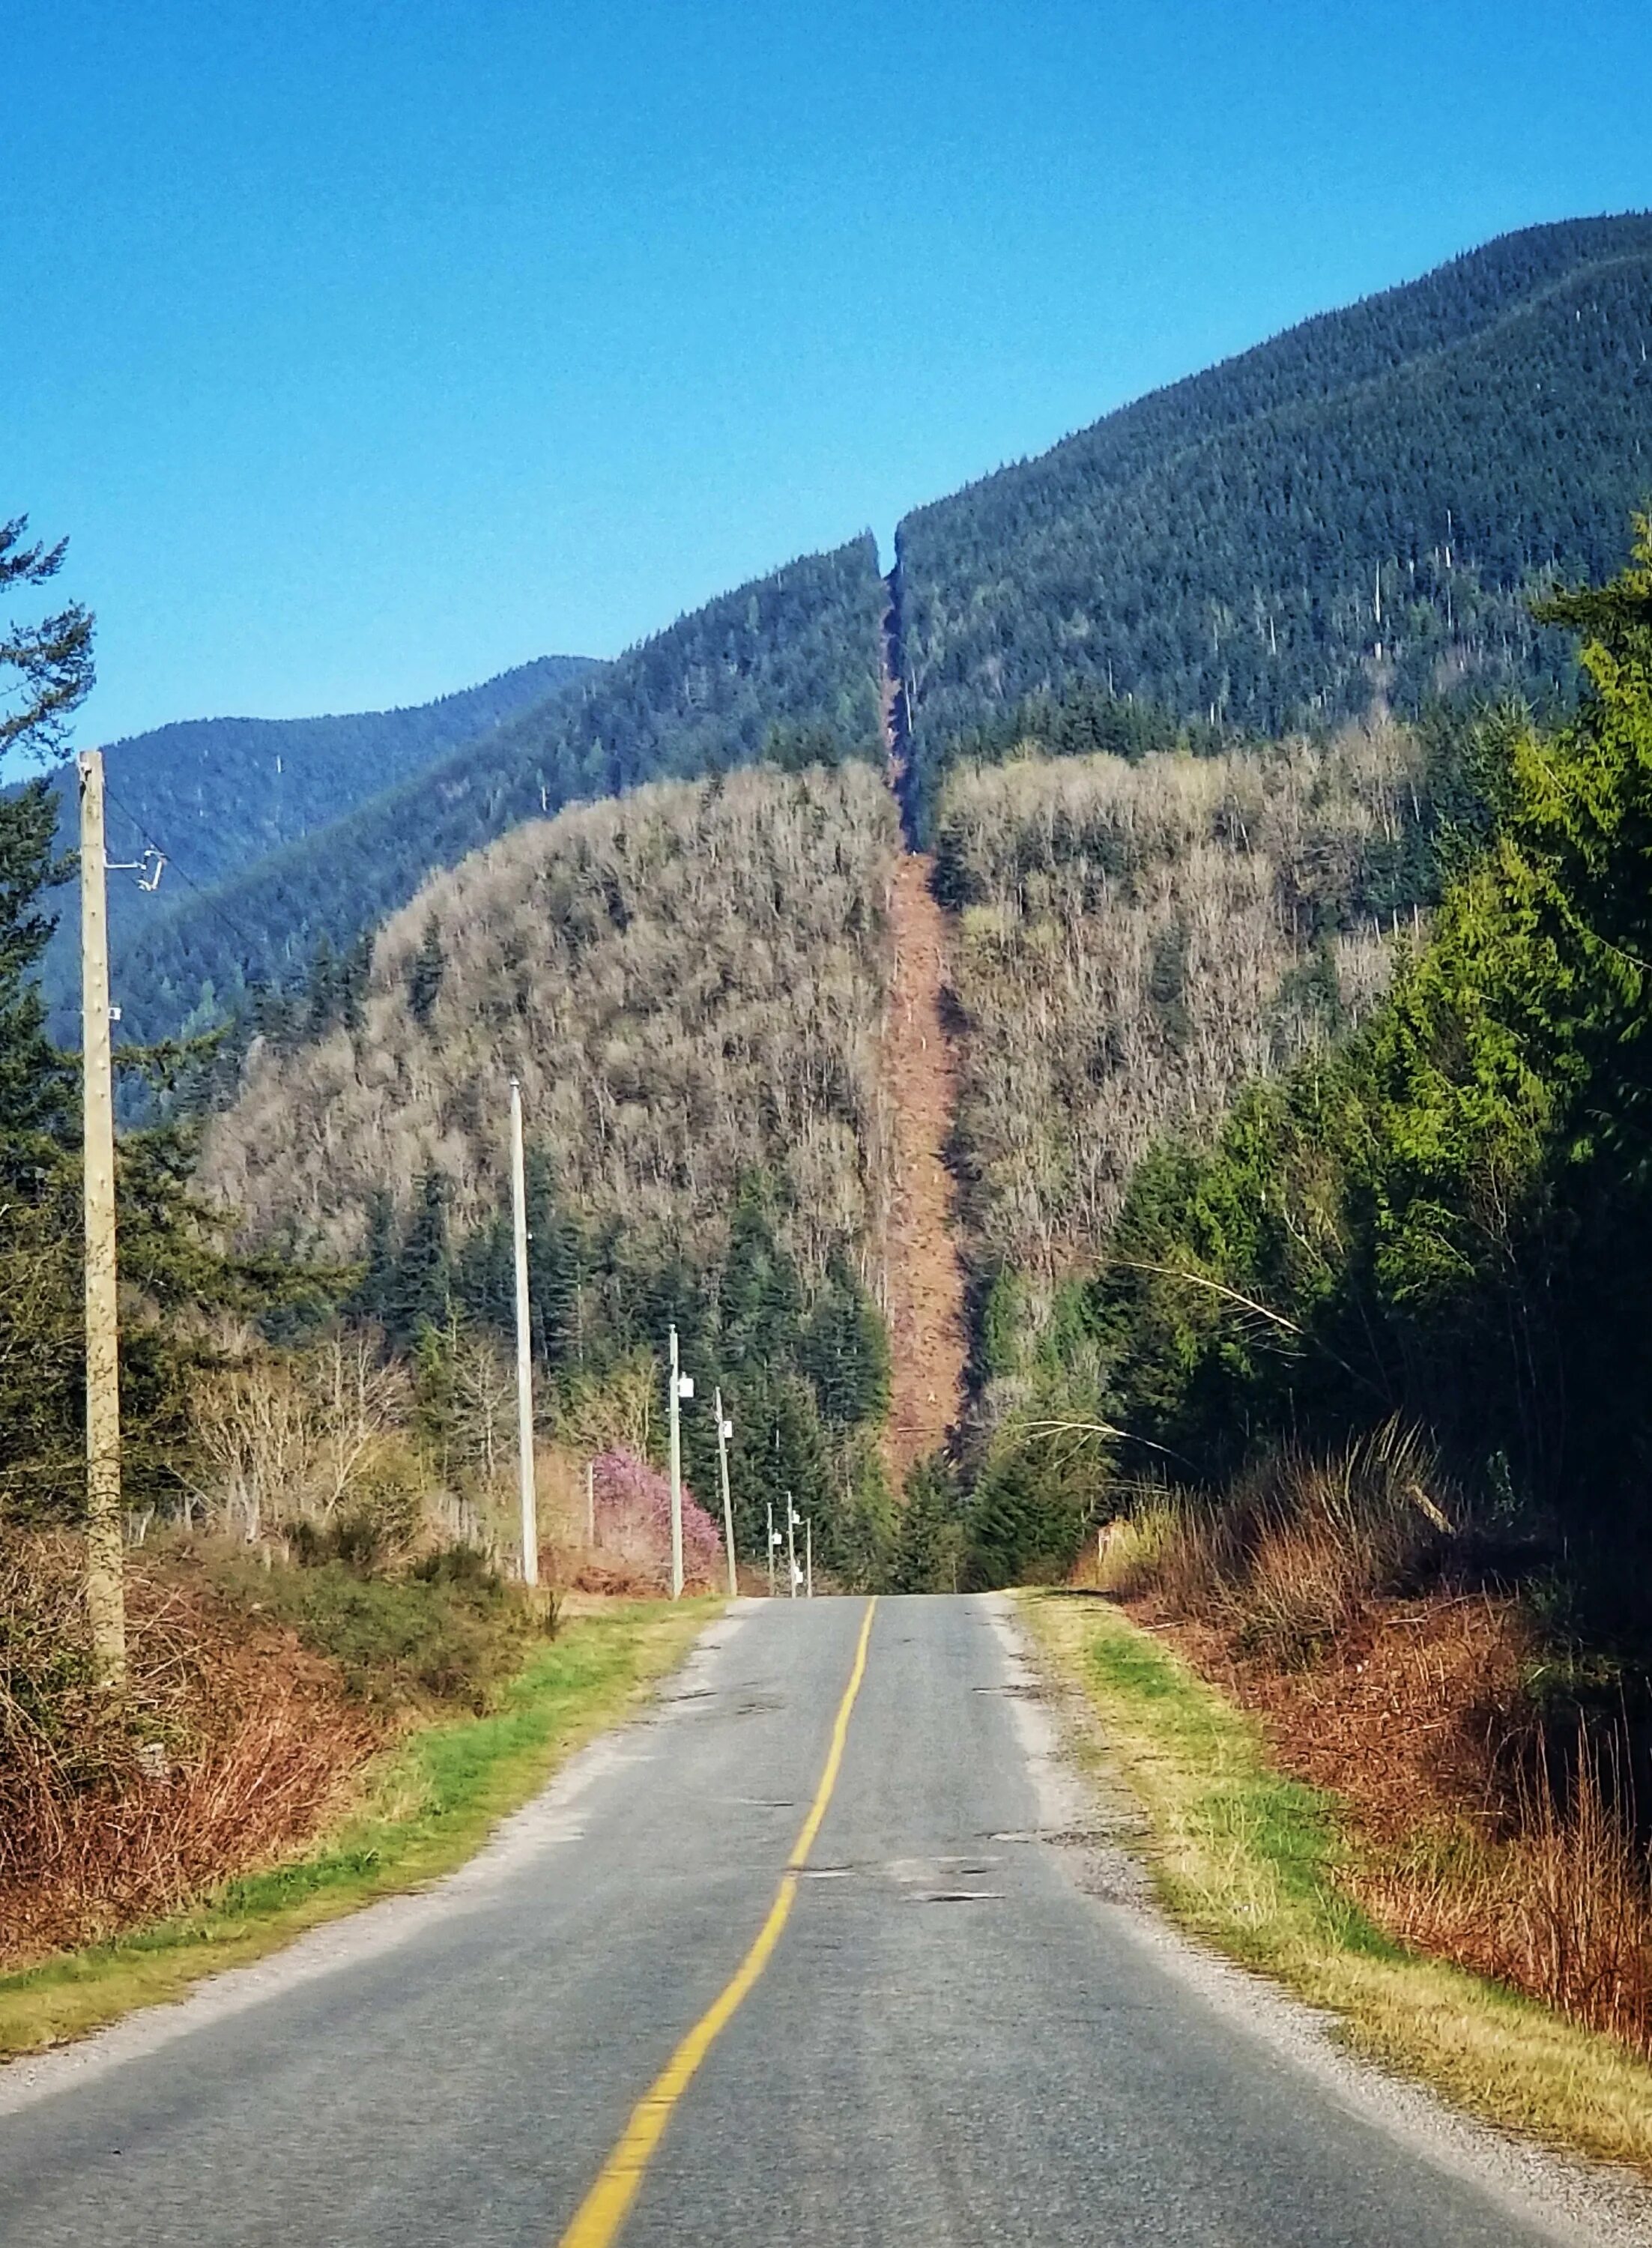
x=215 y=794
x=691 y=983
x=1133 y=943
x=1351 y=510
x=686 y=981
x=786 y=665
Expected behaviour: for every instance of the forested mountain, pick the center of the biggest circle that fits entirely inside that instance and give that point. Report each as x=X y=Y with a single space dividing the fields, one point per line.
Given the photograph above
x=787 y=666
x=215 y=794
x=1449 y=1222
x=1357 y=509
x=1133 y=942
x=689 y=983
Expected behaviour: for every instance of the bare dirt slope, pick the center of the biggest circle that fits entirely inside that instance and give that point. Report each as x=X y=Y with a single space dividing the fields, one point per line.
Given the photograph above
x=926 y=1285
x=925 y=1279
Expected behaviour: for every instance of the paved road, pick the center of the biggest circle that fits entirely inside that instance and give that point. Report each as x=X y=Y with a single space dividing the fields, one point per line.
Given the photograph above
x=950 y=2043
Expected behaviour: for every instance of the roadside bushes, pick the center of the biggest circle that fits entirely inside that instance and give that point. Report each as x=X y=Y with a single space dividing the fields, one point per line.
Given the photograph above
x=632 y=1508
x=229 y=1743
x=449 y=1631
x=256 y=1691
x=1493 y=1810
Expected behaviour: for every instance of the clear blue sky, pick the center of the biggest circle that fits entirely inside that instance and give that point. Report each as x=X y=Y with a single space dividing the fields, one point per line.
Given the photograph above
x=365 y=348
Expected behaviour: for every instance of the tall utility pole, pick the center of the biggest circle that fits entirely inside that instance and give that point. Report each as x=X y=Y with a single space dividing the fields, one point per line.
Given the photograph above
x=106 y=1588
x=725 y=1429
x=524 y=1349
x=772 y=1535
x=808 y=1558
x=676 y=1473
x=790 y=1547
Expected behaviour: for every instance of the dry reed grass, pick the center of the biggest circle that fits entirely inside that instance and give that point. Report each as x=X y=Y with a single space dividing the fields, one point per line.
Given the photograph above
x=1314 y=1597
x=1561 y=1907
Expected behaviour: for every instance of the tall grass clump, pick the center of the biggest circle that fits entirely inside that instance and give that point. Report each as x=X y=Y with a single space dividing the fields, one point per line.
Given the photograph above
x=1501 y=1826
x=1296 y=1551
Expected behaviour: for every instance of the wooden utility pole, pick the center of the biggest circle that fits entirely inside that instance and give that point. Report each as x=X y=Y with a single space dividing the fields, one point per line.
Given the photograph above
x=725 y=1429
x=524 y=1349
x=106 y=1587
x=676 y=1473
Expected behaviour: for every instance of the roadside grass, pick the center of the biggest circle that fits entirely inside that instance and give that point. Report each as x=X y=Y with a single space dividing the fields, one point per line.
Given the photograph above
x=425 y=1805
x=1252 y=1861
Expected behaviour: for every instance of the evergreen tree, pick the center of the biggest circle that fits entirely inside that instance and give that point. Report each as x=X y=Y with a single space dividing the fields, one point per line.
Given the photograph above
x=844 y=1350
x=355 y=975
x=321 y=990
x=929 y=1548
x=375 y=1294
x=435 y=1398
x=759 y=1298
x=52 y=659
x=36 y=1088
x=420 y=1294
x=425 y=973
x=484 y=1276
x=555 y=1267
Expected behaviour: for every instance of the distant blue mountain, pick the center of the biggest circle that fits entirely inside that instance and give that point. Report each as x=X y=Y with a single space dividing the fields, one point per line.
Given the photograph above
x=216 y=794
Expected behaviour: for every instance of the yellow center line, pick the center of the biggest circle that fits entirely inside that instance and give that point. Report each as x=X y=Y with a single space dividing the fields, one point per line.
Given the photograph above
x=600 y=2216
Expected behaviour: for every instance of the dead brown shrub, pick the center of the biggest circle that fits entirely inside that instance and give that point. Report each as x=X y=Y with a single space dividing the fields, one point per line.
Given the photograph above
x=1295 y=1552
x=228 y=1746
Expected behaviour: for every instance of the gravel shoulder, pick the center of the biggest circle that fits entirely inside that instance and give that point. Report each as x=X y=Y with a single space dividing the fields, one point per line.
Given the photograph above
x=1165 y=1853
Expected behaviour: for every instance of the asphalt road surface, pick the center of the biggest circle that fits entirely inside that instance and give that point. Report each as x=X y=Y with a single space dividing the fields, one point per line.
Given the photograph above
x=946 y=2040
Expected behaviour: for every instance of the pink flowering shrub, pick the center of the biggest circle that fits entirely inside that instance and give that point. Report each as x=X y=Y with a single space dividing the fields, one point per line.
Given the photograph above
x=633 y=1507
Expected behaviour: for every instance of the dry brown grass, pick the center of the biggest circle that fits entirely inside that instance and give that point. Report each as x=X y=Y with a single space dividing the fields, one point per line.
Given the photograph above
x=230 y=1745
x=1478 y=1841
x=1560 y=1907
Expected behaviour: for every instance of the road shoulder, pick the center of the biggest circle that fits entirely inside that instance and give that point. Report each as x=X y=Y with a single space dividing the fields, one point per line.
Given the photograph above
x=1162 y=1793
x=431 y=1803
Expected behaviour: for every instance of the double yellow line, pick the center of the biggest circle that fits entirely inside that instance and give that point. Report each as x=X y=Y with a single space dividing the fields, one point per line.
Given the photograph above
x=600 y=2216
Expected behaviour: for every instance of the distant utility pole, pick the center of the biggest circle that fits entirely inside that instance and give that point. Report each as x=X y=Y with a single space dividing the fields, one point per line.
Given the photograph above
x=773 y=1540
x=725 y=1429
x=106 y=1587
x=682 y=1387
x=808 y=1557
x=791 y=1547
x=524 y=1350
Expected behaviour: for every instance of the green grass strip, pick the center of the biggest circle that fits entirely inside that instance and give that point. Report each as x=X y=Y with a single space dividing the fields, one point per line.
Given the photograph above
x=430 y=1801
x=1251 y=1861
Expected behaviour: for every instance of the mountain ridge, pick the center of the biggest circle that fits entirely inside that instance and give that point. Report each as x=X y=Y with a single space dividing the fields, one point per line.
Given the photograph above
x=1349 y=515
x=1234 y=544
x=793 y=653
